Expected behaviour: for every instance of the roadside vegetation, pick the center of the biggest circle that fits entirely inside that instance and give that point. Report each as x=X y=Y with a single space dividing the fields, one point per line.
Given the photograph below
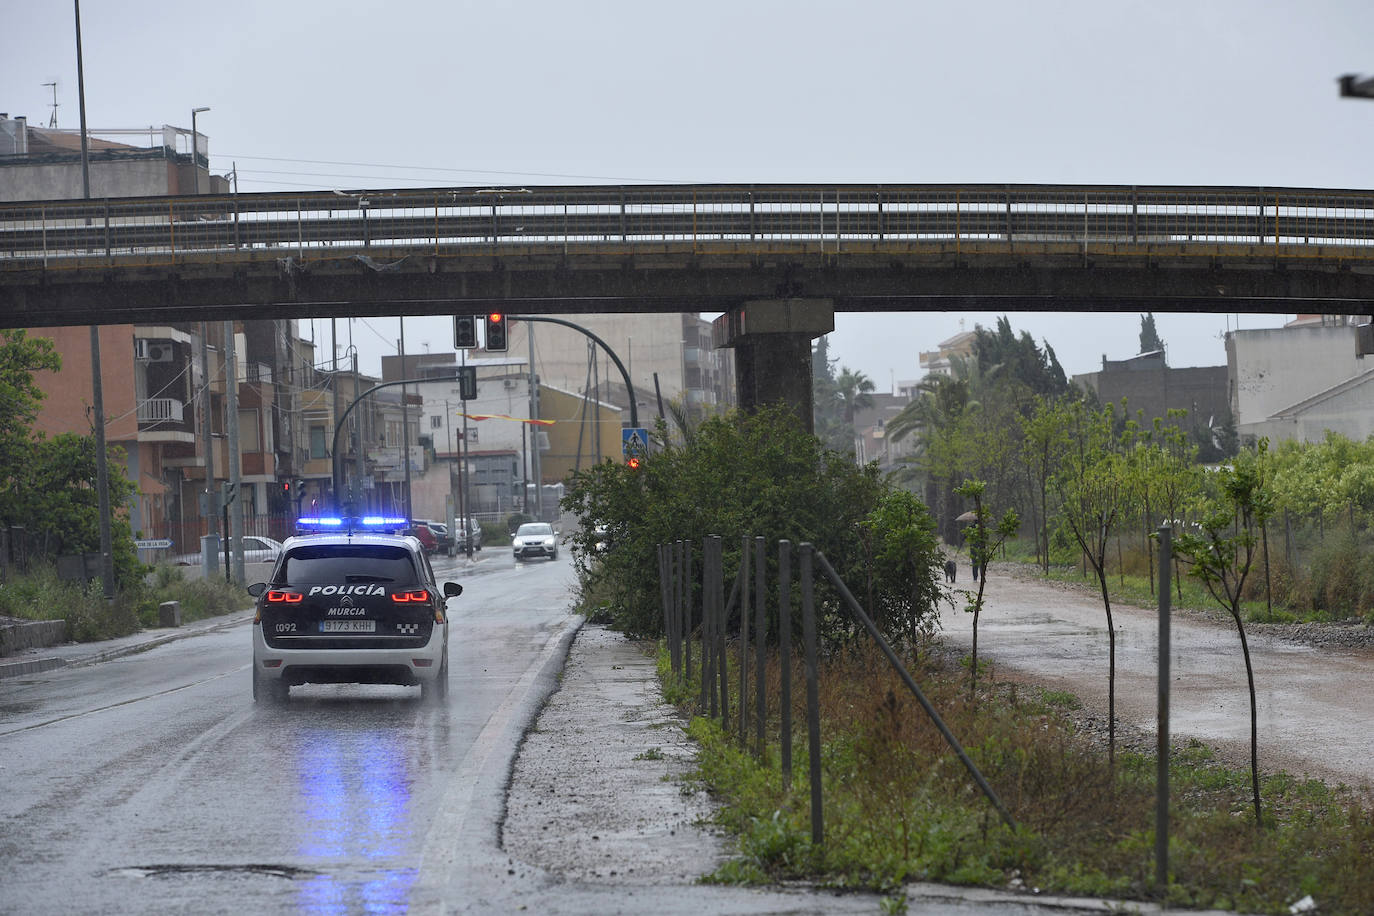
x=898 y=807
x=40 y=595
x=1080 y=489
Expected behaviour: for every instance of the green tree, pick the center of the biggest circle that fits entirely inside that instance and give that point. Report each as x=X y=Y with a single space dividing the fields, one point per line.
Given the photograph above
x=1149 y=336
x=61 y=504
x=1222 y=555
x=1002 y=353
x=983 y=540
x=1043 y=440
x=854 y=391
x=755 y=474
x=20 y=357
x=905 y=555
x=1092 y=488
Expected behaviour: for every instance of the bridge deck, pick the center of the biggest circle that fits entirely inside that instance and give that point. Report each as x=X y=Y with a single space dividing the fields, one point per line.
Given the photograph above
x=690 y=247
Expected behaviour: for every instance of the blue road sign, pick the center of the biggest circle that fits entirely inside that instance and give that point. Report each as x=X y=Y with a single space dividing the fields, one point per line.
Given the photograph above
x=634 y=440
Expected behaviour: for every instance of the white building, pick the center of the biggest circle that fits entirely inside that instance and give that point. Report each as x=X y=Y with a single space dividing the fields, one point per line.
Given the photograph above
x=1301 y=380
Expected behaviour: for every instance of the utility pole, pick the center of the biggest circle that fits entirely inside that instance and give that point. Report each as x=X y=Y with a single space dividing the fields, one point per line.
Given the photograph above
x=357 y=427
x=334 y=387
x=463 y=498
x=231 y=384
x=102 y=470
x=210 y=549
x=534 y=431
x=405 y=419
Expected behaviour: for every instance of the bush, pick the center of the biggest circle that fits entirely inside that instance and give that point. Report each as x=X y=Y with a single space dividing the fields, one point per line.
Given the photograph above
x=738 y=475
x=40 y=595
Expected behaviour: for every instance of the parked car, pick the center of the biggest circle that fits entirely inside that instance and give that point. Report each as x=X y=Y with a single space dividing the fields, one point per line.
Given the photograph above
x=424 y=534
x=256 y=549
x=462 y=529
x=535 y=539
x=443 y=539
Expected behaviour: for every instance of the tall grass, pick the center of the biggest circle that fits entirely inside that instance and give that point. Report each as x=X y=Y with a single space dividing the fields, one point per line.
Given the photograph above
x=899 y=807
x=40 y=595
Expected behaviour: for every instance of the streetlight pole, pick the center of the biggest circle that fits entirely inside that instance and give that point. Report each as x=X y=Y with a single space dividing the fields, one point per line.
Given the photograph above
x=102 y=473
x=195 y=149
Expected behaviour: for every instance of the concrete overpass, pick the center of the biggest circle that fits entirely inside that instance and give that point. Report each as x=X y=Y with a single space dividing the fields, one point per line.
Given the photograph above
x=799 y=251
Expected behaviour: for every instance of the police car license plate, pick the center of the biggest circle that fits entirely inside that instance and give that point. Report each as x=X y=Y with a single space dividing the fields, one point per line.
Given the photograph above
x=348 y=626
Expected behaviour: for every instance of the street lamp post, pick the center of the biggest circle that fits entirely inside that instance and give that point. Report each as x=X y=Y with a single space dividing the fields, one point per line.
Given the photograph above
x=195 y=149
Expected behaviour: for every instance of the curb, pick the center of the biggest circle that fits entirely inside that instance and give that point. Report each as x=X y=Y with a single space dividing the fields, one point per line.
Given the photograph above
x=34 y=666
x=49 y=663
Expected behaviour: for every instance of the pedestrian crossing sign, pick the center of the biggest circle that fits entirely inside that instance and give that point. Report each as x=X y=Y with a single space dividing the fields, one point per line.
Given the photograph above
x=634 y=441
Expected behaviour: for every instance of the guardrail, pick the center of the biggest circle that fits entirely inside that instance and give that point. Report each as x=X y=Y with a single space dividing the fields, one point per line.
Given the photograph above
x=830 y=219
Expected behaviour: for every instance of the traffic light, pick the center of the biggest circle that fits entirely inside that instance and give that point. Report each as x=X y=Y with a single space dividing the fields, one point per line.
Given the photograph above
x=467 y=383
x=496 y=332
x=286 y=488
x=464 y=332
x=634 y=462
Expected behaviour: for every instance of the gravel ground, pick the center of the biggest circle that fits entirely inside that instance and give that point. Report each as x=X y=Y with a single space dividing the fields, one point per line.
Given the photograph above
x=601 y=796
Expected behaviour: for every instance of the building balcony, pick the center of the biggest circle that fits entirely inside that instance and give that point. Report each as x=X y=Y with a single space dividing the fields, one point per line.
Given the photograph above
x=164 y=420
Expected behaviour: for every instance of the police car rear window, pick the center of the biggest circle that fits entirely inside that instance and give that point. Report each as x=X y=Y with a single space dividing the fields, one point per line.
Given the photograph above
x=339 y=563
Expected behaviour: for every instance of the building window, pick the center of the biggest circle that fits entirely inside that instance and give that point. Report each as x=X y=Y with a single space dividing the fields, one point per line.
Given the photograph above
x=317 y=449
x=249 y=438
x=436 y=422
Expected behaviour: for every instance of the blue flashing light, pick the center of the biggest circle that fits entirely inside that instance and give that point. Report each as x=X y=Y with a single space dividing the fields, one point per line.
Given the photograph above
x=374 y=521
x=320 y=522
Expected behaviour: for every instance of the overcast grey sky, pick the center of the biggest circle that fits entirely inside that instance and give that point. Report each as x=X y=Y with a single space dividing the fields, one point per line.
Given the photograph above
x=307 y=94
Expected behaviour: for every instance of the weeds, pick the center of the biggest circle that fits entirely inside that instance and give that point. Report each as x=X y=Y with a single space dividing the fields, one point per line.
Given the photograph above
x=40 y=595
x=898 y=807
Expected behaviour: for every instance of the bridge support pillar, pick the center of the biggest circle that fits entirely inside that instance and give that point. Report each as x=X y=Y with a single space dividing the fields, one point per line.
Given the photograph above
x=772 y=343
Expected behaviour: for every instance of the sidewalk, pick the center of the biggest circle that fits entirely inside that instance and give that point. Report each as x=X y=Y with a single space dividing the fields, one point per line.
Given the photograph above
x=76 y=654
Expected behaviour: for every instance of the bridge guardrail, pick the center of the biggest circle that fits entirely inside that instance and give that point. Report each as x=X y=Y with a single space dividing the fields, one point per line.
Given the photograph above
x=832 y=219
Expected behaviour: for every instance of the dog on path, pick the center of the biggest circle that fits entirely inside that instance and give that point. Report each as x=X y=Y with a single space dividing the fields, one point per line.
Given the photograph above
x=951 y=571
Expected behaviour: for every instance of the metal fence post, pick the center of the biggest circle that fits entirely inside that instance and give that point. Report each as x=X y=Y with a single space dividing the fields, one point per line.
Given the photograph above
x=1162 y=729
x=708 y=695
x=785 y=659
x=760 y=633
x=813 y=702
x=721 y=668
x=663 y=595
x=744 y=640
x=687 y=609
x=674 y=609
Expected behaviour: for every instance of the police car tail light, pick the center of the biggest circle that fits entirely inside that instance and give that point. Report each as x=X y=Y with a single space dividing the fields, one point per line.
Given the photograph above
x=275 y=597
x=410 y=597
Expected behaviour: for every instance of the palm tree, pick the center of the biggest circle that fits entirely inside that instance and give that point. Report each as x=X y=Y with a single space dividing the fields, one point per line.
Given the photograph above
x=854 y=391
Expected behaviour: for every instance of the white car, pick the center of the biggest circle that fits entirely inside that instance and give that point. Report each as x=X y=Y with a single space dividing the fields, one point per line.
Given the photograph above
x=535 y=539
x=256 y=549
x=351 y=607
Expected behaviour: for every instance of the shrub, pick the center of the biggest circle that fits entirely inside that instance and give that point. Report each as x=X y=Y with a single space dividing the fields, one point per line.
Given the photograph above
x=739 y=475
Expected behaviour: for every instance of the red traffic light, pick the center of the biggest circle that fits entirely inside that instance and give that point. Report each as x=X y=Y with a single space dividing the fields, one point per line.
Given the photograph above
x=496 y=332
x=632 y=462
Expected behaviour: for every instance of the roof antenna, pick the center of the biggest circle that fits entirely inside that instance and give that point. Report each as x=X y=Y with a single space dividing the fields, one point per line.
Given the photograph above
x=52 y=119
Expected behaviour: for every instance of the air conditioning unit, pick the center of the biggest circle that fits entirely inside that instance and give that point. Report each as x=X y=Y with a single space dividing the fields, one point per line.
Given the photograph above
x=510 y=383
x=152 y=351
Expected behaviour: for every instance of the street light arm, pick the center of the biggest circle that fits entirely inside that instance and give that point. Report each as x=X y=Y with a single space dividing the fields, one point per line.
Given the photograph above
x=336 y=470
x=629 y=388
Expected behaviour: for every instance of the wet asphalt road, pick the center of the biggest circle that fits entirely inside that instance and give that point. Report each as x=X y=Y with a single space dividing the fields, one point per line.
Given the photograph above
x=152 y=783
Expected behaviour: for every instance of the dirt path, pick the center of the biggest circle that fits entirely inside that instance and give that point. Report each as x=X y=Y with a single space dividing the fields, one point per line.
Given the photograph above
x=1315 y=715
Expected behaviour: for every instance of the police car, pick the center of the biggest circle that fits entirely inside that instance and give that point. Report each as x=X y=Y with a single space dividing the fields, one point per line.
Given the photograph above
x=351 y=602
